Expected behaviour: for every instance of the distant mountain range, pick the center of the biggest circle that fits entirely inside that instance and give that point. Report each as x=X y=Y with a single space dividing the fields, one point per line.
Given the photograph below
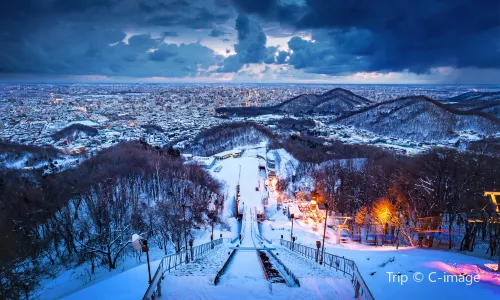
x=332 y=102
x=488 y=102
x=418 y=118
x=476 y=96
x=336 y=102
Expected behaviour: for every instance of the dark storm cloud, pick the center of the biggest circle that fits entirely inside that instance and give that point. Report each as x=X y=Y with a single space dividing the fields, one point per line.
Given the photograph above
x=251 y=46
x=199 y=18
x=282 y=56
x=256 y=6
x=77 y=6
x=332 y=52
x=217 y=33
x=85 y=37
x=170 y=33
x=161 y=55
x=232 y=63
x=323 y=57
x=390 y=35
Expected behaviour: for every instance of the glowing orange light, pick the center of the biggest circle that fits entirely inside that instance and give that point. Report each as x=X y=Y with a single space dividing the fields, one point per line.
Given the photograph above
x=383 y=210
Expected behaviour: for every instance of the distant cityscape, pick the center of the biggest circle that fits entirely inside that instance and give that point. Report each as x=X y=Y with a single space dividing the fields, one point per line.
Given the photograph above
x=159 y=114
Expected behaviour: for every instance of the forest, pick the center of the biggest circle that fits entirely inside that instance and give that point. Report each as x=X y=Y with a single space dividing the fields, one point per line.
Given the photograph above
x=73 y=129
x=436 y=193
x=88 y=213
x=228 y=136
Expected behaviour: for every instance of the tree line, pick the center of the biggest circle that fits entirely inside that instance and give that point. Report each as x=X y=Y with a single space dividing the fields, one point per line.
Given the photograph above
x=227 y=136
x=439 y=191
x=88 y=213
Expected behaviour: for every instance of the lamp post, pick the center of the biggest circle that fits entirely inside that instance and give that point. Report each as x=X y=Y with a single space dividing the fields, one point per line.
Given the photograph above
x=324 y=233
x=318 y=245
x=212 y=235
x=191 y=241
x=140 y=243
x=185 y=233
x=496 y=203
x=212 y=216
x=291 y=232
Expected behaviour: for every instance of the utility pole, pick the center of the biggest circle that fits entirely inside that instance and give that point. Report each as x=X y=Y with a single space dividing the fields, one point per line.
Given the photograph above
x=497 y=209
x=238 y=195
x=212 y=236
x=185 y=232
x=324 y=233
x=139 y=243
x=291 y=232
x=145 y=248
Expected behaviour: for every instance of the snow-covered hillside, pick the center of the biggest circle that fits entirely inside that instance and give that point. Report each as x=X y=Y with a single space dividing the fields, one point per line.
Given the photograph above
x=419 y=119
x=389 y=272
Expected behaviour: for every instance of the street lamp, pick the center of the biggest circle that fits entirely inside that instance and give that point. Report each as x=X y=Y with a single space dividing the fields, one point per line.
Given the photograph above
x=212 y=215
x=324 y=233
x=140 y=243
x=185 y=233
x=291 y=232
x=495 y=202
x=318 y=245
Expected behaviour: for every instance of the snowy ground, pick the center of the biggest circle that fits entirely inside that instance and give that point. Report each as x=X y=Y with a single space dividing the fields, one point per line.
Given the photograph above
x=244 y=277
x=78 y=278
x=208 y=265
x=330 y=284
x=245 y=266
x=131 y=284
x=376 y=266
x=73 y=280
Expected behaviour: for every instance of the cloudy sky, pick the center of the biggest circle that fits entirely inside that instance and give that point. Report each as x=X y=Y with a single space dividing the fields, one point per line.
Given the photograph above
x=338 y=41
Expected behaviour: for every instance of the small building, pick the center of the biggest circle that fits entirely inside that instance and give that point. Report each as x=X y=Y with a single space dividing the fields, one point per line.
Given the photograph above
x=186 y=156
x=206 y=162
x=228 y=154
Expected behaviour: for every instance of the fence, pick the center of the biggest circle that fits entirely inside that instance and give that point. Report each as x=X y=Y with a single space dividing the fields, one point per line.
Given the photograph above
x=347 y=266
x=172 y=261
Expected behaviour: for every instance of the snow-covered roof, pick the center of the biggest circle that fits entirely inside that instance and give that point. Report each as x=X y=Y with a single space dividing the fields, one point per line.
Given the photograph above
x=227 y=153
x=187 y=156
x=204 y=161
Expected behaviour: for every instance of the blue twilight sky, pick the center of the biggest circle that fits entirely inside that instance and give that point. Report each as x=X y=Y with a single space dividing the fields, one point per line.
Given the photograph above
x=347 y=41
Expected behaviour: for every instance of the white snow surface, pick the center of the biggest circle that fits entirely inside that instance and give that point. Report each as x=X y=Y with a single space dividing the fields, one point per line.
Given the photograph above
x=244 y=278
x=82 y=122
x=375 y=264
x=131 y=284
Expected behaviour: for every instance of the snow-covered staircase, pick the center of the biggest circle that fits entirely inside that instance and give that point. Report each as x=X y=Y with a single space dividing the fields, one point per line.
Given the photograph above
x=303 y=267
x=328 y=283
x=207 y=265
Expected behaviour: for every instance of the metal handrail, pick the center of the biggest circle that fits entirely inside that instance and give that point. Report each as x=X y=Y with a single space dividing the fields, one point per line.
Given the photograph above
x=243 y=224
x=347 y=266
x=172 y=261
